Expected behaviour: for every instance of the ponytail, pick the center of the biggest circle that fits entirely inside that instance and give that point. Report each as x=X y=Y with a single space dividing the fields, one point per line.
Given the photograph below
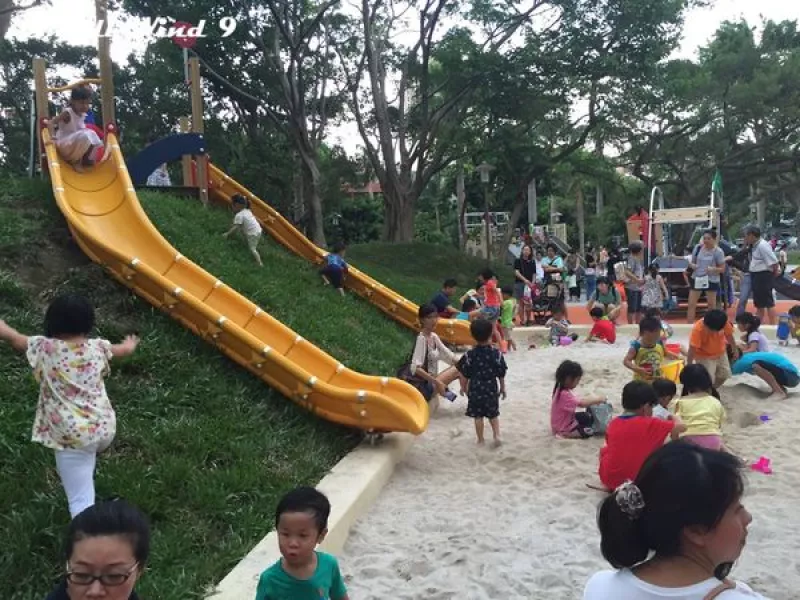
x=621 y=541
x=568 y=369
x=680 y=485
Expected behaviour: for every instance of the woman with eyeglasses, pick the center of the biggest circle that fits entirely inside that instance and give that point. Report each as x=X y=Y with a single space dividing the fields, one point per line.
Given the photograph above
x=107 y=549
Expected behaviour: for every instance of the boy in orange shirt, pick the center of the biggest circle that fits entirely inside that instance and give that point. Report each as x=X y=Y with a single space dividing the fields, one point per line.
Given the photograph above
x=707 y=345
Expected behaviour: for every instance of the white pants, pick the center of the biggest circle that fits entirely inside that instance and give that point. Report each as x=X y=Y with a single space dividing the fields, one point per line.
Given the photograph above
x=76 y=470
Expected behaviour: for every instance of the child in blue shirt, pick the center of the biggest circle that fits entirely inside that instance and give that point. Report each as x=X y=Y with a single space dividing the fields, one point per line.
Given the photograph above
x=303 y=573
x=335 y=268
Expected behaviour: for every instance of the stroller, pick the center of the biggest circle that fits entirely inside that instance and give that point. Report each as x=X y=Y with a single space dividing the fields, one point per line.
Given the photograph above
x=544 y=300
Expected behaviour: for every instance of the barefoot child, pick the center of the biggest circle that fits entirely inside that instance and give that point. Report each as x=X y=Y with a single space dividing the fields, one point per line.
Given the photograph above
x=777 y=371
x=482 y=368
x=73 y=416
x=564 y=420
x=507 y=316
x=634 y=435
x=245 y=222
x=559 y=326
x=302 y=573
x=603 y=329
x=647 y=354
x=752 y=340
x=707 y=345
x=76 y=144
x=665 y=391
x=492 y=303
x=700 y=409
x=335 y=269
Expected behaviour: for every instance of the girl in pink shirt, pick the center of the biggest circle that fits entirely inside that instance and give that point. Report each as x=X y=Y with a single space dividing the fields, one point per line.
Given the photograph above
x=564 y=420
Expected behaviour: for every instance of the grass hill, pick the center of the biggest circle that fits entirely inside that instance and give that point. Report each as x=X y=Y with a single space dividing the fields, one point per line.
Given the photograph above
x=202 y=446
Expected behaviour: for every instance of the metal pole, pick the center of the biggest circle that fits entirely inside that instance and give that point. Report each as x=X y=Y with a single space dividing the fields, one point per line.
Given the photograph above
x=486 y=216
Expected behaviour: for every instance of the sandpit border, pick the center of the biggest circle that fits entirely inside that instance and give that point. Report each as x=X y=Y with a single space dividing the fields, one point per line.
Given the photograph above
x=352 y=486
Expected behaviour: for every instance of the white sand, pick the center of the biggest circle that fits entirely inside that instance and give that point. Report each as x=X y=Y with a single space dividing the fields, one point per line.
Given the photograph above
x=459 y=521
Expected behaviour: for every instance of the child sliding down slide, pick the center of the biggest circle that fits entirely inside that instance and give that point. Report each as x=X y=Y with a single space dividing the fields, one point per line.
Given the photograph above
x=75 y=142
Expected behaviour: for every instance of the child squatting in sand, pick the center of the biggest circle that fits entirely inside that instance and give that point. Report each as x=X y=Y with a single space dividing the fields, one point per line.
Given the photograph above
x=481 y=370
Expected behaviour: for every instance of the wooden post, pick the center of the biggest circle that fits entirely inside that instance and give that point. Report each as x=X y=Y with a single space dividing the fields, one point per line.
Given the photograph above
x=186 y=160
x=42 y=106
x=106 y=74
x=197 y=125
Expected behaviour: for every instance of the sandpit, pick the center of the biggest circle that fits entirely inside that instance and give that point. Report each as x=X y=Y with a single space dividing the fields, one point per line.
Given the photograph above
x=461 y=521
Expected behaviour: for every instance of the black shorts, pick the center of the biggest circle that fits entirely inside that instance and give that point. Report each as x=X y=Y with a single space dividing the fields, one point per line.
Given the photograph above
x=634 y=301
x=784 y=378
x=762 y=283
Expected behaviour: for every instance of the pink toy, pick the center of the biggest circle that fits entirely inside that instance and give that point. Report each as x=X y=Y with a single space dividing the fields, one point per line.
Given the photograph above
x=762 y=465
x=565 y=340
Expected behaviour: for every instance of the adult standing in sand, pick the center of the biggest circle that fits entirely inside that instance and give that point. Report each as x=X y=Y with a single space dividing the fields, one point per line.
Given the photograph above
x=676 y=531
x=524 y=276
x=763 y=269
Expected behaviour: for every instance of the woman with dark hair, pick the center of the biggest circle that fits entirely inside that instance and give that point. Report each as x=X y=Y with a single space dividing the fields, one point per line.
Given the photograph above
x=428 y=351
x=524 y=276
x=676 y=530
x=107 y=548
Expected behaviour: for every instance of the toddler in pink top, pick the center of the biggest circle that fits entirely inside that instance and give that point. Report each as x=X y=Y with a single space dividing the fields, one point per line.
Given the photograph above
x=565 y=421
x=73 y=416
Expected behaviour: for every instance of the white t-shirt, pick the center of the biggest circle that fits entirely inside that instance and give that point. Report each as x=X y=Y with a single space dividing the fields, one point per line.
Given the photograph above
x=659 y=412
x=762 y=257
x=247 y=221
x=622 y=584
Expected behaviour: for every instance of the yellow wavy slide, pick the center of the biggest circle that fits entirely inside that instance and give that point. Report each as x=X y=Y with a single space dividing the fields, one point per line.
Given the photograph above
x=109 y=224
x=393 y=304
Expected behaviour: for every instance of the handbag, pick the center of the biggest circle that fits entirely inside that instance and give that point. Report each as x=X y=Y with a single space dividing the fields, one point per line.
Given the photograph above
x=405 y=373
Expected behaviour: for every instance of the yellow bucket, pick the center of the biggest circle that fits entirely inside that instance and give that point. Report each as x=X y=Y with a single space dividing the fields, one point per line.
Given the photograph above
x=672 y=370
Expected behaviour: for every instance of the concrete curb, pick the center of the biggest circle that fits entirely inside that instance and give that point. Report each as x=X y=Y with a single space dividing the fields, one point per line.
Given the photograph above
x=352 y=486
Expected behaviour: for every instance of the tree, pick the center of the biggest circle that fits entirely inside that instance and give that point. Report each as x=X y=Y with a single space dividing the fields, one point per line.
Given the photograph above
x=736 y=109
x=16 y=58
x=9 y=8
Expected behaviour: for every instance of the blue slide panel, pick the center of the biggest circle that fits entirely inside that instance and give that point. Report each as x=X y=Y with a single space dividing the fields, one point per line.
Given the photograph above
x=165 y=150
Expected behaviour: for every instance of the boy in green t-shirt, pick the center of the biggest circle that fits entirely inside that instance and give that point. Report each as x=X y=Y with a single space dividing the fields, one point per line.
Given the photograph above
x=507 y=311
x=303 y=573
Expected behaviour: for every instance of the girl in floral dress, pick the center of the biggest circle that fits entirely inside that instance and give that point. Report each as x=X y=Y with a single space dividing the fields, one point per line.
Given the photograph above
x=73 y=416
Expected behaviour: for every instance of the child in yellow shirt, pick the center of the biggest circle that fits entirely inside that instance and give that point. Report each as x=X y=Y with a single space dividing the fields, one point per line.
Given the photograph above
x=700 y=409
x=647 y=354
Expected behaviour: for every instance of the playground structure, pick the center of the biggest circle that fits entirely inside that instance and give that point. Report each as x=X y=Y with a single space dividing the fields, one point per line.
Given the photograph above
x=199 y=172
x=657 y=238
x=108 y=223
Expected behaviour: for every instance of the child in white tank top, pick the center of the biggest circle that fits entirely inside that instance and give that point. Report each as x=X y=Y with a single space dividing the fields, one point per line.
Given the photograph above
x=76 y=143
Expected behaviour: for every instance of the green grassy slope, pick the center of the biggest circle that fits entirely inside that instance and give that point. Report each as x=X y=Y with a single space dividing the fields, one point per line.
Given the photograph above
x=202 y=446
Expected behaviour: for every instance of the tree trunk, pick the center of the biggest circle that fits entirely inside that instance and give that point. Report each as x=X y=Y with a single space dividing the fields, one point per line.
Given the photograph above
x=311 y=176
x=520 y=204
x=581 y=220
x=598 y=200
x=299 y=201
x=5 y=16
x=398 y=216
x=462 y=209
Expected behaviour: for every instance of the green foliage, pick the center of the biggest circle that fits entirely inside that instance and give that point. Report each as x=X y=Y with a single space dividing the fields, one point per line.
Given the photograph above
x=16 y=58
